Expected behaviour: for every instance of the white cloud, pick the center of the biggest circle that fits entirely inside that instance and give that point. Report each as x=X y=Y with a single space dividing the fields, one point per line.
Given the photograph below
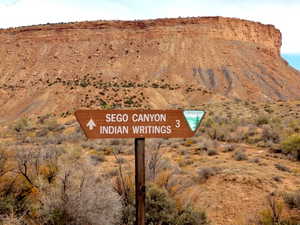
x=31 y=12
x=284 y=14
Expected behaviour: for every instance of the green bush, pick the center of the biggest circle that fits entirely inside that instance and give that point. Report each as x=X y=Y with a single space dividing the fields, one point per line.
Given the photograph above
x=11 y=203
x=273 y=214
x=261 y=120
x=21 y=125
x=291 y=145
x=6 y=204
x=58 y=217
x=161 y=209
x=189 y=216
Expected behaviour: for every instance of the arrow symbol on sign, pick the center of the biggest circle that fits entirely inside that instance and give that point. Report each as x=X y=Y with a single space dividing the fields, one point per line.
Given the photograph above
x=91 y=124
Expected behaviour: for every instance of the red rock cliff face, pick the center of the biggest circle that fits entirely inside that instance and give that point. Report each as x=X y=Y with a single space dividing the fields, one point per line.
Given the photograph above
x=153 y=63
x=210 y=27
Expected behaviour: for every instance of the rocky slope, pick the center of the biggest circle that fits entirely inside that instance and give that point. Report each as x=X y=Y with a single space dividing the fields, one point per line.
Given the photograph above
x=160 y=63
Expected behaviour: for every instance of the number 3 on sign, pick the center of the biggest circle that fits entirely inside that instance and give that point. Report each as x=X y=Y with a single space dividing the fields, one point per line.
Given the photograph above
x=177 y=125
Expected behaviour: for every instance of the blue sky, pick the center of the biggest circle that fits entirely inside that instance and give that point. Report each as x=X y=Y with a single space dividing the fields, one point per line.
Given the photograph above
x=284 y=14
x=293 y=60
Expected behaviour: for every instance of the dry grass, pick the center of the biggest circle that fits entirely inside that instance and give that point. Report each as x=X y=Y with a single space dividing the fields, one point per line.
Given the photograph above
x=228 y=187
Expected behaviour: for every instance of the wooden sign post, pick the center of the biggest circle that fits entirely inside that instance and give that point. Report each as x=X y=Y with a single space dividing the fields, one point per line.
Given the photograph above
x=139 y=124
x=140 y=186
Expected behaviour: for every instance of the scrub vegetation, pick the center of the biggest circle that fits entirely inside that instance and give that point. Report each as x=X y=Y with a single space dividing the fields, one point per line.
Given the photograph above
x=241 y=168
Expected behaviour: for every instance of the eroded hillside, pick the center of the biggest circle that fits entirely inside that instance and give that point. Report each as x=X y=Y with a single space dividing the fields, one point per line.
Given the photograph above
x=162 y=63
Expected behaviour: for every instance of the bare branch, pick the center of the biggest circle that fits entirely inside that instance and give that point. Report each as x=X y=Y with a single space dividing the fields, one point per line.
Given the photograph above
x=28 y=163
x=153 y=158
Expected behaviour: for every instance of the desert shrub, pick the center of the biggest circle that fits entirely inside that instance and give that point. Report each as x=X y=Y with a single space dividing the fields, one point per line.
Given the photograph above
x=206 y=172
x=174 y=145
x=120 y=160
x=212 y=152
x=189 y=216
x=53 y=140
x=21 y=125
x=269 y=134
x=96 y=157
x=261 y=120
x=282 y=167
x=206 y=144
x=222 y=133
x=108 y=150
x=28 y=164
x=208 y=123
x=202 y=146
x=3 y=160
x=275 y=148
x=162 y=209
x=240 y=155
x=244 y=134
x=167 y=164
x=294 y=125
x=78 y=197
x=268 y=110
x=42 y=133
x=272 y=215
x=182 y=151
x=212 y=132
x=33 y=163
x=264 y=144
x=12 y=219
x=115 y=142
x=6 y=204
x=185 y=161
x=76 y=136
x=291 y=145
x=128 y=214
x=229 y=148
x=41 y=119
x=267 y=218
x=277 y=179
x=12 y=203
x=164 y=180
x=154 y=160
x=254 y=160
x=52 y=125
x=89 y=145
x=124 y=185
x=292 y=199
x=112 y=173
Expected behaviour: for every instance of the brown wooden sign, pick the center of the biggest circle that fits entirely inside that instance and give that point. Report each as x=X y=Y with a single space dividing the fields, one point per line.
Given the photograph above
x=139 y=123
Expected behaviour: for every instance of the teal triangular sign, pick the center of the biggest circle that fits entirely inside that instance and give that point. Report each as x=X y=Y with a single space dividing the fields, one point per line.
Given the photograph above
x=193 y=117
